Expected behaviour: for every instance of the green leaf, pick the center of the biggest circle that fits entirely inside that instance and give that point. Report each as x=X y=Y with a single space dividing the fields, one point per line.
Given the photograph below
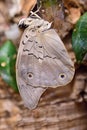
x=79 y=38
x=7 y=63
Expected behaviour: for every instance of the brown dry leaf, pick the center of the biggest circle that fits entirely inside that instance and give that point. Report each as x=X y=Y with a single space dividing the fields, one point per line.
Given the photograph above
x=74 y=15
x=71 y=3
x=83 y=3
x=27 y=5
x=73 y=10
x=18 y=6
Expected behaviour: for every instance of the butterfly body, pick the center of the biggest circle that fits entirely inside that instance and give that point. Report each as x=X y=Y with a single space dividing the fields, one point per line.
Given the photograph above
x=42 y=61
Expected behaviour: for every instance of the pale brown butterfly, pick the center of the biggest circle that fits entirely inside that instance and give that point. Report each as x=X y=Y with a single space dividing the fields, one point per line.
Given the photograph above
x=42 y=61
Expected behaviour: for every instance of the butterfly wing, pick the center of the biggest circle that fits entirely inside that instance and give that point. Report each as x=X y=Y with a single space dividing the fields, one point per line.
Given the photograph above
x=30 y=94
x=45 y=58
x=42 y=62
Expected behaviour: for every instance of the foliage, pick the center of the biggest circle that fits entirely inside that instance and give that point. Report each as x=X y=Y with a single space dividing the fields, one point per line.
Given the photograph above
x=79 y=38
x=7 y=63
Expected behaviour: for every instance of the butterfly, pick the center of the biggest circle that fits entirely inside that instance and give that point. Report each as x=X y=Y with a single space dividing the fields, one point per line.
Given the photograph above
x=42 y=61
